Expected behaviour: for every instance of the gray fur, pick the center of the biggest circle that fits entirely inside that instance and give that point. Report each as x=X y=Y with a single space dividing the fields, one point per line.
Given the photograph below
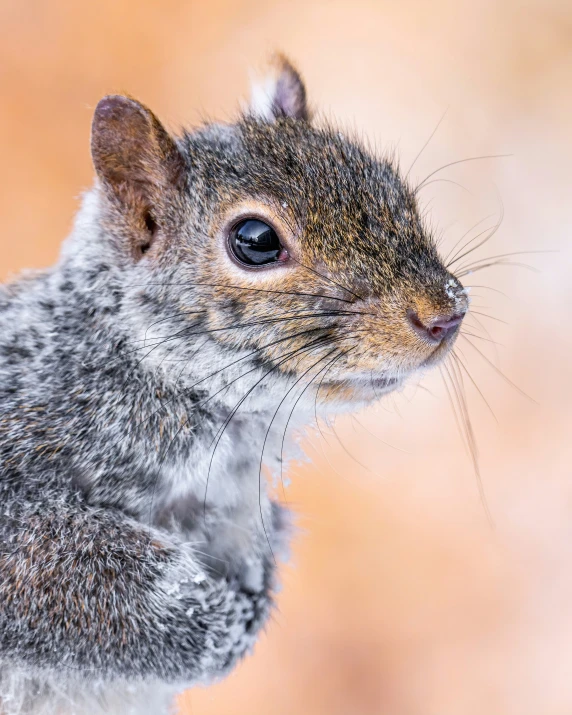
x=135 y=558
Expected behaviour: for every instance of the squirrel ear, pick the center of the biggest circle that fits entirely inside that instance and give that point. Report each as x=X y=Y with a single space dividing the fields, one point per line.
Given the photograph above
x=135 y=158
x=281 y=94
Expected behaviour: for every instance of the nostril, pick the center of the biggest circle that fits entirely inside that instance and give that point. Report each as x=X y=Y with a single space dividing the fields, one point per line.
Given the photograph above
x=436 y=332
x=435 y=329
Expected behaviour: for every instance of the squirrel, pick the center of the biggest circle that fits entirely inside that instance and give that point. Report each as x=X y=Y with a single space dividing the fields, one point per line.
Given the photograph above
x=218 y=288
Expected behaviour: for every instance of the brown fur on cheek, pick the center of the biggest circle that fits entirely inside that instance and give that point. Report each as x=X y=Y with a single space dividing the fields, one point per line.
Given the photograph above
x=281 y=308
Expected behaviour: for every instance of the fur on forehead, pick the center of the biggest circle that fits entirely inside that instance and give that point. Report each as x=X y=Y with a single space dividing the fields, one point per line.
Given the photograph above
x=334 y=188
x=349 y=208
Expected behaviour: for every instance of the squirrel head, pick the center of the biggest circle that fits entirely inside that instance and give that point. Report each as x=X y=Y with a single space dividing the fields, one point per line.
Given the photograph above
x=279 y=239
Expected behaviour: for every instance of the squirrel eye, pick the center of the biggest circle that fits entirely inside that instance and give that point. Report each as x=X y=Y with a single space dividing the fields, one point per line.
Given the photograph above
x=254 y=243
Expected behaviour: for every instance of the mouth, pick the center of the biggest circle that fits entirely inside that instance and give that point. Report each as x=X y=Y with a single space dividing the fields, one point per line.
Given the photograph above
x=382 y=382
x=440 y=352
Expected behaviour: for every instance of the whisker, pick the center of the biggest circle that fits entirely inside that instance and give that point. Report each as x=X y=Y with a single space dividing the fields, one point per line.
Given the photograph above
x=185 y=422
x=462 y=161
x=464 y=367
x=292 y=387
x=497 y=263
x=426 y=143
x=465 y=250
x=254 y=323
x=499 y=372
x=473 y=316
x=220 y=432
x=271 y=344
x=444 y=181
x=486 y=315
x=479 y=337
x=487 y=333
x=247 y=288
x=352 y=456
x=488 y=232
x=184 y=334
x=327 y=369
x=377 y=437
x=179 y=315
x=451 y=401
x=326 y=278
x=495 y=290
x=451 y=252
x=255 y=351
x=505 y=255
x=187 y=361
x=457 y=382
x=326 y=441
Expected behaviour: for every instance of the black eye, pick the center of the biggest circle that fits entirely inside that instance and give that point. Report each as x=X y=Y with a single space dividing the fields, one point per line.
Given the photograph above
x=254 y=243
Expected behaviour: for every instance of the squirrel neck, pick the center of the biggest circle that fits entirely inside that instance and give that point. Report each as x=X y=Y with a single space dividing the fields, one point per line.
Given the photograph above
x=89 y=409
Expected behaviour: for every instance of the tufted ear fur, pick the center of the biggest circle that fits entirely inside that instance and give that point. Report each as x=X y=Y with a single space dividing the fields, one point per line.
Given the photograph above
x=137 y=162
x=281 y=94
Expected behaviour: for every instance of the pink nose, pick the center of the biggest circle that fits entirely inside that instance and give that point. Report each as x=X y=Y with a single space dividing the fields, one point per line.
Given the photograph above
x=436 y=329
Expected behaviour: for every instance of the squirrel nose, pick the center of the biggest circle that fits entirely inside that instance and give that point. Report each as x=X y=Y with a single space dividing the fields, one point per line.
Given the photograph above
x=436 y=329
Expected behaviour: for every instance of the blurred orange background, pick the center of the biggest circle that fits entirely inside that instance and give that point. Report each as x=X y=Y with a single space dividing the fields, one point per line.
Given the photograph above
x=399 y=598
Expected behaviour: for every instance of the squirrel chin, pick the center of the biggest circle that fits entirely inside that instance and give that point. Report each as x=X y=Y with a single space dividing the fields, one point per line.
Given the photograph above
x=355 y=393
